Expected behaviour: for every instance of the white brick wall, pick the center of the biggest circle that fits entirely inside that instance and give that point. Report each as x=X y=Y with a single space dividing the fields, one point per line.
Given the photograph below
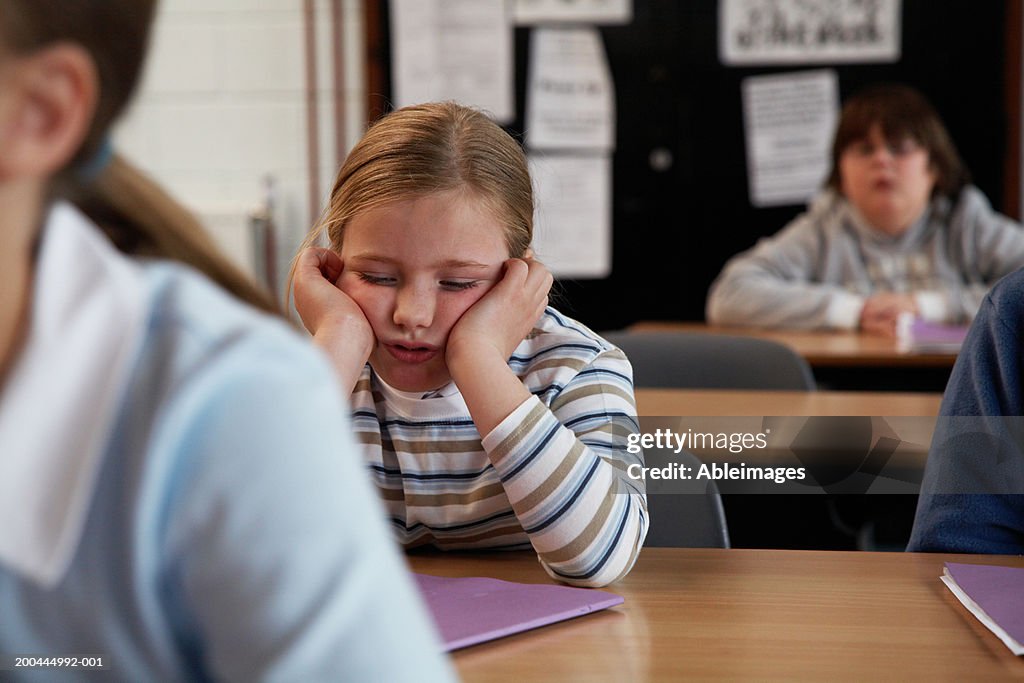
x=223 y=104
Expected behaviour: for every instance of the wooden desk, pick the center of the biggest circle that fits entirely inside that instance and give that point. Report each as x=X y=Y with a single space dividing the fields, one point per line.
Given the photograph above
x=821 y=349
x=750 y=615
x=909 y=418
x=715 y=402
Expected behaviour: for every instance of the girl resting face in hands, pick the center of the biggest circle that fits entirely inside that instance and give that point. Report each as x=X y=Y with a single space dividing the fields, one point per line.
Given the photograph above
x=488 y=419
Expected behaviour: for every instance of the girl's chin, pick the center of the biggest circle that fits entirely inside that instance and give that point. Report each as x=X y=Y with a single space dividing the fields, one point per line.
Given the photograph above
x=890 y=214
x=893 y=226
x=411 y=380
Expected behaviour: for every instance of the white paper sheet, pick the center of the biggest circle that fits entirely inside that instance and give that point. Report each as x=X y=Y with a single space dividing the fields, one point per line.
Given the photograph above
x=808 y=31
x=573 y=219
x=575 y=11
x=570 y=100
x=458 y=50
x=789 y=120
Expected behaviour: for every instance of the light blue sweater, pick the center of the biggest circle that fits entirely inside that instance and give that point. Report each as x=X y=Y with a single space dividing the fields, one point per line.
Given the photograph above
x=228 y=530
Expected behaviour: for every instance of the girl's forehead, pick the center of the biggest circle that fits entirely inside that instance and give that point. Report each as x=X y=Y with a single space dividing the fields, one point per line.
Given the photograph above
x=891 y=131
x=436 y=221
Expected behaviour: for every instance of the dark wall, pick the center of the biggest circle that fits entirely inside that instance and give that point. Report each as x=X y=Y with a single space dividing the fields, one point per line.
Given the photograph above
x=673 y=229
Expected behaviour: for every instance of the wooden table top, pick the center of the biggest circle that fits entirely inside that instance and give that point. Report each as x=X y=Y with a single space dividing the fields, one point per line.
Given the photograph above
x=741 y=402
x=908 y=417
x=750 y=615
x=821 y=348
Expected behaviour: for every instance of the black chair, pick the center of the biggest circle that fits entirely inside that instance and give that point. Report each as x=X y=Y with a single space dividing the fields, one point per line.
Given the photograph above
x=695 y=360
x=684 y=514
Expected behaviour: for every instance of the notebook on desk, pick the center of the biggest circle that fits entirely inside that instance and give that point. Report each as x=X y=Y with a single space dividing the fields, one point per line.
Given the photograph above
x=993 y=594
x=918 y=336
x=471 y=610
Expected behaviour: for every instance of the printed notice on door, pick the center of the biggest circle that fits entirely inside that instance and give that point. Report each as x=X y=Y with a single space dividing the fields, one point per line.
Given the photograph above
x=753 y=32
x=453 y=50
x=573 y=224
x=789 y=121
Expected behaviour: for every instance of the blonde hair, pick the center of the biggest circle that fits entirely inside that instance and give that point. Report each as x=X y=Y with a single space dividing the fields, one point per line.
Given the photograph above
x=138 y=216
x=426 y=149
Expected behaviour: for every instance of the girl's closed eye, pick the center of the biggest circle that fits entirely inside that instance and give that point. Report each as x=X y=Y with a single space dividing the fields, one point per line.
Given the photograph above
x=903 y=147
x=373 y=279
x=459 y=285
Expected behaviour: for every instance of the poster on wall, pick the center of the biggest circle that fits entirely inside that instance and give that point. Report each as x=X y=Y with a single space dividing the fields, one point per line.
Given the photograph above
x=572 y=231
x=459 y=50
x=572 y=11
x=570 y=99
x=789 y=121
x=756 y=32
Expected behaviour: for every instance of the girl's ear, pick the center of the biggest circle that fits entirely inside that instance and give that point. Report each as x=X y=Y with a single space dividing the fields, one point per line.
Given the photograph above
x=46 y=108
x=528 y=254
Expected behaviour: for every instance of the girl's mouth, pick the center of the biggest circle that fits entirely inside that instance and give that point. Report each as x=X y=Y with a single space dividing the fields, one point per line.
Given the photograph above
x=411 y=353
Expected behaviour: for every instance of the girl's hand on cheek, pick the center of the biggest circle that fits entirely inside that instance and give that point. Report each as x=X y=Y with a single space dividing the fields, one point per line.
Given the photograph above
x=502 y=318
x=326 y=311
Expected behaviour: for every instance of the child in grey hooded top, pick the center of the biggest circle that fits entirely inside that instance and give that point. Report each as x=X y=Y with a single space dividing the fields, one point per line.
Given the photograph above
x=898 y=229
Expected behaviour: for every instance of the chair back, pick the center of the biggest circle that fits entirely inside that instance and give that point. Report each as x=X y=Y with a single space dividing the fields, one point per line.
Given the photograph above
x=686 y=514
x=696 y=360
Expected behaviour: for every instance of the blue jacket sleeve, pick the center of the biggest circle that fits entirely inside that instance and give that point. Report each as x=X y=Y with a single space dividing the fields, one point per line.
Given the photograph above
x=972 y=496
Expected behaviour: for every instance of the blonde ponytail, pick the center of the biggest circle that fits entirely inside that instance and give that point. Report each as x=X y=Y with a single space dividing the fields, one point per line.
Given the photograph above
x=142 y=219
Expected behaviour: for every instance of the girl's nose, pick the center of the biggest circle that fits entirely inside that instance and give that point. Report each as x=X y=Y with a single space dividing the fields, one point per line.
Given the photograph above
x=414 y=307
x=882 y=154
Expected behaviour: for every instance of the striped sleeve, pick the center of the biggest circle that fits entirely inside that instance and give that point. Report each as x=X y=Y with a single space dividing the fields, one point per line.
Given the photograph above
x=563 y=466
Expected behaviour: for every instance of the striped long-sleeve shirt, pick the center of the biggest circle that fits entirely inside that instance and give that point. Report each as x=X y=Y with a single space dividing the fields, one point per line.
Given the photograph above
x=551 y=476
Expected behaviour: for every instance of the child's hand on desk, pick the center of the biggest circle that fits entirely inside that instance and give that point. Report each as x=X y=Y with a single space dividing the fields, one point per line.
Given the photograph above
x=326 y=311
x=882 y=311
x=503 y=317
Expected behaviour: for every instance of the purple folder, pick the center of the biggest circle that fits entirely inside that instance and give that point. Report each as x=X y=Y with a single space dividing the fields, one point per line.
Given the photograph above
x=473 y=610
x=995 y=595
x=926 y=337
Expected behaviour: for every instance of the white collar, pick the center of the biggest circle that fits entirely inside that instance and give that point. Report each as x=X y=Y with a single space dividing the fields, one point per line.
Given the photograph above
x=389 y=391
x=445 y=402
x=61 y=398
